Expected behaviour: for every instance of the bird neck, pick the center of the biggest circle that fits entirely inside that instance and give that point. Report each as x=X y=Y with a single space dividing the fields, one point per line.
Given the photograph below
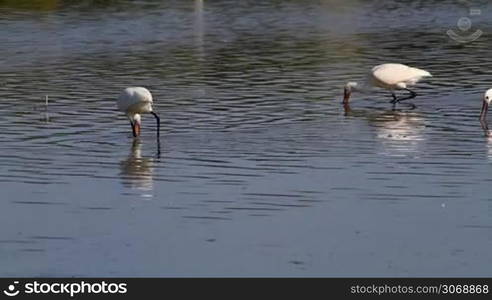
x=360 y=87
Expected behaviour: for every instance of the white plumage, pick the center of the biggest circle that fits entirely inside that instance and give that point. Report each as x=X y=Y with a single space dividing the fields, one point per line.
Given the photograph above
x=391 y=77
x=487 y=98
x=396 y=76
x=134 y=101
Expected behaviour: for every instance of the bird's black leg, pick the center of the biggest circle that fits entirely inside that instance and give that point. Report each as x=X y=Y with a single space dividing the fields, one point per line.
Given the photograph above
x=412 y=95
x=395 y=99
x=158 y=120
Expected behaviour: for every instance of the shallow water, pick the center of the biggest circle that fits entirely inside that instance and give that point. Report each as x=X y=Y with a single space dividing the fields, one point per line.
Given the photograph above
x=259 y=171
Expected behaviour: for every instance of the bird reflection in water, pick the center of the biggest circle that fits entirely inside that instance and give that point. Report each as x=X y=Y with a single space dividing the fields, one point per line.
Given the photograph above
x=399 y=132
x=488 y=135
x=137 y=172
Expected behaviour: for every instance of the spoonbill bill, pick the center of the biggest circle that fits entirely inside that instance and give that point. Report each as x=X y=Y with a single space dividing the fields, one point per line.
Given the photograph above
x=390 y=77
x=134 y=101
x=487 y=98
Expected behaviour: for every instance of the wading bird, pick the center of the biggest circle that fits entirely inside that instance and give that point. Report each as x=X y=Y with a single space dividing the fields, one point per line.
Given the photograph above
x=135 y=101
x=390 y=77
x=487 y=98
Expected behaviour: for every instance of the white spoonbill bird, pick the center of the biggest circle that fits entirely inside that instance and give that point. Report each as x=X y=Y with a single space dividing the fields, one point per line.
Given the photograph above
x=135 y=101
x=390 y=77
x=487 y=98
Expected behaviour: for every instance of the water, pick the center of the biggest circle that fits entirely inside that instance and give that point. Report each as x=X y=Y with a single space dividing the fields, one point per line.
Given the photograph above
x=260 y=171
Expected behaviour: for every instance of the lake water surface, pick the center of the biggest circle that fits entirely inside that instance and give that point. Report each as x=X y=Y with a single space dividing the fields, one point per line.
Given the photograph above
x=260 y=170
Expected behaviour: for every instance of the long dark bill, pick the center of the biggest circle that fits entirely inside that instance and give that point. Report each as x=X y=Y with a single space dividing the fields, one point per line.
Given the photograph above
x=133 y=129
x=346 y=96
x=485 y=109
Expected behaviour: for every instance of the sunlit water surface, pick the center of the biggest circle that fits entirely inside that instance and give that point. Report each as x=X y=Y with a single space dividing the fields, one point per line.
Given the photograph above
x=260 y=171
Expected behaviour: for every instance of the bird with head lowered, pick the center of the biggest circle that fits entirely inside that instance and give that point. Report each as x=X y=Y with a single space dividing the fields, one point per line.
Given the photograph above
x=135 y=101
x=390 y=77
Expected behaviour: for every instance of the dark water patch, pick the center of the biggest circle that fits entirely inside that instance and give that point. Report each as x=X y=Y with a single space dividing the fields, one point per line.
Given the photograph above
x=206 y=218
x=44 y=237
x=38 y=202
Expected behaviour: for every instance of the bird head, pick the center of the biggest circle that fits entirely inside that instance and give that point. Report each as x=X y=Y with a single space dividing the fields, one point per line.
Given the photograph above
x=487 y=98
x=136 y=122
x=349 y=87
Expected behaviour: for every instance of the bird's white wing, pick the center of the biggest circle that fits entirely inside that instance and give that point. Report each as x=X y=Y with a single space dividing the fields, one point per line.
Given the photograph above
x=390 y=75
x=134 y=96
